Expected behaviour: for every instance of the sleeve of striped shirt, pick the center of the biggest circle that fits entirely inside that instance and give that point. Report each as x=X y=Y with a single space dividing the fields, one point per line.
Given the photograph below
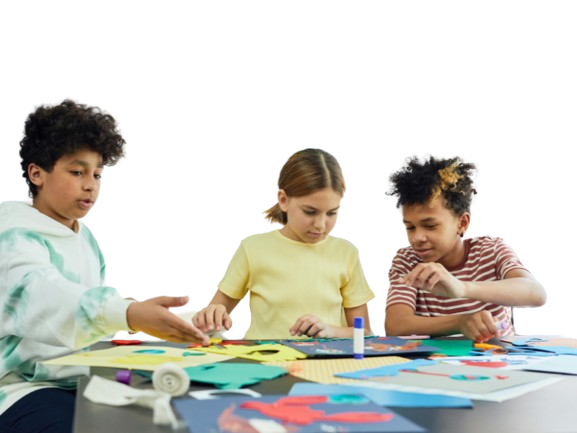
x=401 y=293
x=505 y=259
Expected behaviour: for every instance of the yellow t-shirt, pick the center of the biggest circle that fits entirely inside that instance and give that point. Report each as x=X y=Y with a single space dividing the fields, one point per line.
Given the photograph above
x=288 y=279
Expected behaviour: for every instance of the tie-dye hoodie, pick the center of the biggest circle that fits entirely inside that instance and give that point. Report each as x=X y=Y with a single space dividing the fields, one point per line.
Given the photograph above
x=52 y=300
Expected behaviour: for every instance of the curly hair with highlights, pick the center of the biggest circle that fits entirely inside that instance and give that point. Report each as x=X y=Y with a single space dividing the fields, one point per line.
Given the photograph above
x=51 y=132
x=424 y=182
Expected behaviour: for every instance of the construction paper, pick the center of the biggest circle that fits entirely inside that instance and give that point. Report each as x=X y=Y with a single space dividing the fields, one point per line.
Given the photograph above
x=233 y=375
x=291 y=414
x=541 y=340
x=480 y=383
x=228 y=375
x=256 y=352
x=383 y=397
x=211 y=394
x=373 y=346
x=564 y=364
x=449 y=377
x=386 y=371
x=452 y=347
x=558 y=350
x=506 y=361
x=142 y=357
x=323 y=370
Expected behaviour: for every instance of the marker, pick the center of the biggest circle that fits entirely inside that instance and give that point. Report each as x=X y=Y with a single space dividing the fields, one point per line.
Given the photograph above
x=501 y=325
x=359 y=338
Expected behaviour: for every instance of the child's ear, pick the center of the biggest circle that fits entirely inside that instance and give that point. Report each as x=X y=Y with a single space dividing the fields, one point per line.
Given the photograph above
x=282 y=200
x=36 y=174
x=464 y=221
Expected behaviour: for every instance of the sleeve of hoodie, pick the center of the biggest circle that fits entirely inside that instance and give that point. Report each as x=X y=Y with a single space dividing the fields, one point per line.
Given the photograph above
x=39 y=302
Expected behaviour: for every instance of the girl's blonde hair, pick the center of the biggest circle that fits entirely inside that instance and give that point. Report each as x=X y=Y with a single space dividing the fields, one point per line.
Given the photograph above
x=304 y=173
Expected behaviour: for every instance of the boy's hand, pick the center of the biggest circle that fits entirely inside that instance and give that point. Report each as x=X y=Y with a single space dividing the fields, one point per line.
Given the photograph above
x=434 y=278
x=312 y=326
x=479 y=326
x=153 y=318
x=212 y=318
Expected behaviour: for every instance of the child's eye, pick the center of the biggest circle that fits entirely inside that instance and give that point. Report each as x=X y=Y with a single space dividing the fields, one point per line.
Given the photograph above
x=76 y=172
x=331 y=213
x=97 y=176
x=309 y=212
x=409 y=228
x=431 y=226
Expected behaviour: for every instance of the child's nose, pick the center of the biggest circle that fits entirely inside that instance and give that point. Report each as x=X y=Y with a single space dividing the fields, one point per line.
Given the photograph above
x=320 y=222
x=90 y=184
x=419 y=236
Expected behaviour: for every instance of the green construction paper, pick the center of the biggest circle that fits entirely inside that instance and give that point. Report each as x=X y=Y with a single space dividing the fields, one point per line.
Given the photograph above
x=233 y=375
x=451 y=347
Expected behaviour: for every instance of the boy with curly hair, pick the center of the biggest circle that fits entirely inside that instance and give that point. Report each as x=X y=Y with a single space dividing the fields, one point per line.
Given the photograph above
x=52 y=288
x=443 y=284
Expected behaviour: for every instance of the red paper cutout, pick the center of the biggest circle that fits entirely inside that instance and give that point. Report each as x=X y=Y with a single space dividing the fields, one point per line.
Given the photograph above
x=297 y=410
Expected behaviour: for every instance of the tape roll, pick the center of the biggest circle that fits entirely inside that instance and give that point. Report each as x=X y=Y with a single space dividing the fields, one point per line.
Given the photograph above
x=171 y=378
x=123 y=376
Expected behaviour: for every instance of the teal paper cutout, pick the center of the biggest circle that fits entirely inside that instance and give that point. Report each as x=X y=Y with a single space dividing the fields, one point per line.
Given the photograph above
x=233 y=375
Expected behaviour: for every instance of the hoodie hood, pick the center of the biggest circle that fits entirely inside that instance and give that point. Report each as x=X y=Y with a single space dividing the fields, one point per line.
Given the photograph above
x=15 y=214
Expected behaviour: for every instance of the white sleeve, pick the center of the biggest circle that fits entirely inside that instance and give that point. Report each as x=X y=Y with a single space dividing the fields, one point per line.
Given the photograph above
x=39 y=303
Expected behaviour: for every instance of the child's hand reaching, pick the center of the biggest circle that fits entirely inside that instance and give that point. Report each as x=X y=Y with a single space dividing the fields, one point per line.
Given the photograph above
x=212 y=318
x=153 y=317
x=479 y=326
x=313 y=327
x=434 y=278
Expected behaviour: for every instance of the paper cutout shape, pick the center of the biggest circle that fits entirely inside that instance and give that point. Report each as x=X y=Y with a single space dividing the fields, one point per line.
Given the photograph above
x=506 y=362
x=311 y=414
x=552 y=344
x=541 y=340
x=233 y=375
x=383 y=397
x=323 y=370
x=137 y=357
x=387 y=370
x=257 y=352
x=211 y=394
x=374 y=346
x=451 y=377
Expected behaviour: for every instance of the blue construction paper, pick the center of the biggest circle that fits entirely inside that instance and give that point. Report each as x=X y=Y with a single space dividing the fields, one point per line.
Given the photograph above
x=564 y=364
x=559 y=350
x=382 y=397
x=385 y=370
x=204 y=416
x=374 y=346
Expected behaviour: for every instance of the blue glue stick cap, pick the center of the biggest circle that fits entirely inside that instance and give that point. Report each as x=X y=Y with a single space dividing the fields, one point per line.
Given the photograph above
x=359 y=322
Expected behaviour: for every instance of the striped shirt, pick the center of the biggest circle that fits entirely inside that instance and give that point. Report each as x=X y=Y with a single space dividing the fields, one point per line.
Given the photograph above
x=486 y=259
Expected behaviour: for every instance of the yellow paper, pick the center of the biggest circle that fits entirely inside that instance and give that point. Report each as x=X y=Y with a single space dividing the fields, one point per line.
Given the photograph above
x=323 y=370
x=257 y=352
x=138 y=357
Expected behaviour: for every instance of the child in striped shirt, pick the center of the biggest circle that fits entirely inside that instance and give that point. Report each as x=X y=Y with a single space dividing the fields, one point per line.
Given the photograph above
x=443 y=284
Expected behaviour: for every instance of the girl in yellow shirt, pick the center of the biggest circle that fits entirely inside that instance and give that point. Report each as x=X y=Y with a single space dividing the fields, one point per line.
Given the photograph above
x=302 y=281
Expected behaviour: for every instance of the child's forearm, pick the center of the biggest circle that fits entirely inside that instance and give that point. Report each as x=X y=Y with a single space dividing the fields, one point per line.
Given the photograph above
x=510 y=292
x=413 y=324
x=347 y=332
